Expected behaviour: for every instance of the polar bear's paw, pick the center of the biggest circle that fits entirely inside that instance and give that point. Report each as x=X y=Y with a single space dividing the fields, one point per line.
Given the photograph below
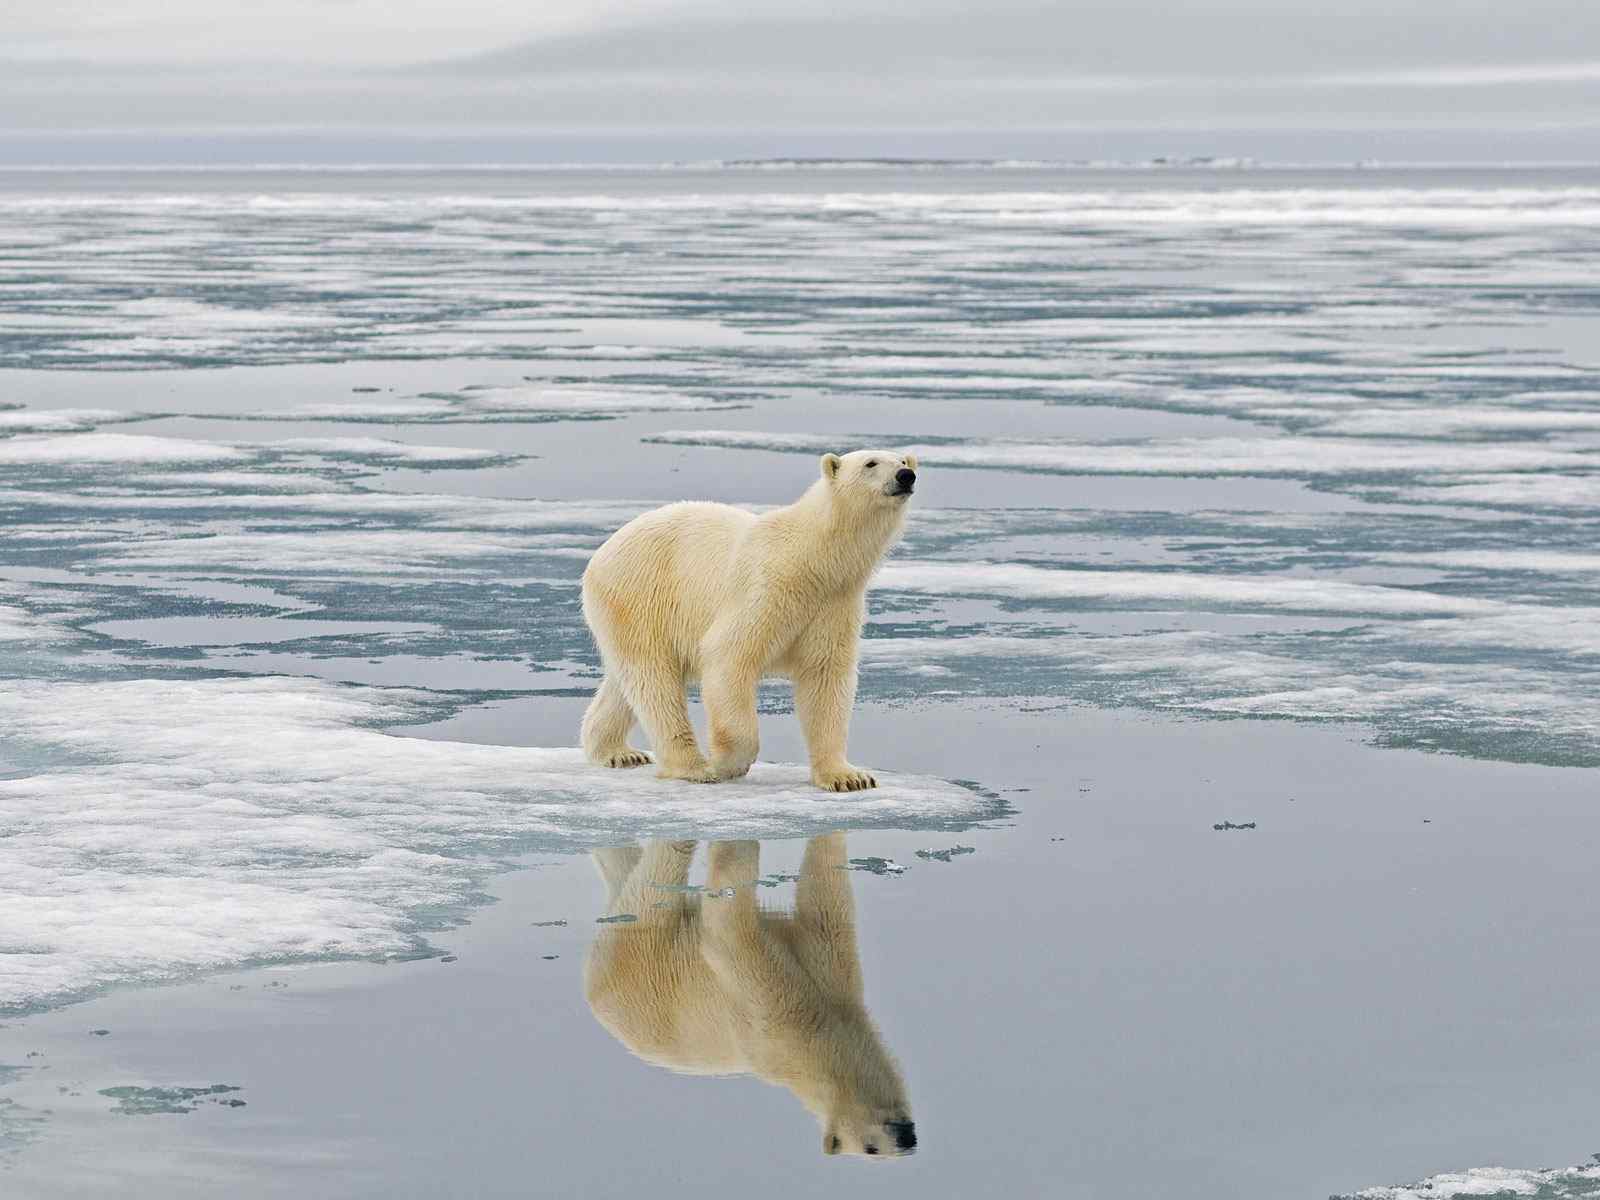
x=693 y=772
x=843 y=778
x=627 y=757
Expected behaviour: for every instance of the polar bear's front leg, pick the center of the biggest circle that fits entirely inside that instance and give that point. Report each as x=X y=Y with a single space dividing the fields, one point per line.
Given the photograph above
x=824 y=694
x=732 y=656
x=729 y=693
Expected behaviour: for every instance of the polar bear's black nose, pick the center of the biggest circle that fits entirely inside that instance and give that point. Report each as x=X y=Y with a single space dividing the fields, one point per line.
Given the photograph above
x=904 y=1134
x=905 y=477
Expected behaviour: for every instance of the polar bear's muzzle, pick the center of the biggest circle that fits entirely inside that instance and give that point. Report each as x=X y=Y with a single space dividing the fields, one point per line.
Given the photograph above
x=903 y=483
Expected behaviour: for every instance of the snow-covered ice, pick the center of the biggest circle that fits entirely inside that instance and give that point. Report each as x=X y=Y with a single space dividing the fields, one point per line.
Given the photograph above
x=191 y=825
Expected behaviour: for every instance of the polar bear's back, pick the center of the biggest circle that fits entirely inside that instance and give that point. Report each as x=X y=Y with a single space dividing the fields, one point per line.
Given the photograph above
x=664 y=576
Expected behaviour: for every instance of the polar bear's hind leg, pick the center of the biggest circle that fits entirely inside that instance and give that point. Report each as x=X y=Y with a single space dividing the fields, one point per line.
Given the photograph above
x=606 y=726
x=657 y=695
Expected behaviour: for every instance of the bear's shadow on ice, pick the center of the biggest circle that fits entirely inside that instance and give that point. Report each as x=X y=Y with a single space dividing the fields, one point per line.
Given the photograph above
x=706 y=981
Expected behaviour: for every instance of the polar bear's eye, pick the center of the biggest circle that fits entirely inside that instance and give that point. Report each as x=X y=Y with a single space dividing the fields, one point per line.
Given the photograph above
x=871 y=462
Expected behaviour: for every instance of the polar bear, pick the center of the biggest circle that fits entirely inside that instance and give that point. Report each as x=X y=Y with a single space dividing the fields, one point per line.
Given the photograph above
x=716 y=593
x=713 y=984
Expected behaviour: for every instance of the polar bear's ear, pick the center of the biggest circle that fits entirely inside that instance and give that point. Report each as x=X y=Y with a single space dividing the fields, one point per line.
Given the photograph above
x=830 y=466
x=911 y=461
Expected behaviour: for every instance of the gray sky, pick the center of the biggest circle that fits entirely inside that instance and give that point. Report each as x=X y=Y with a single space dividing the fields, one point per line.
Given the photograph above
x=691 y=74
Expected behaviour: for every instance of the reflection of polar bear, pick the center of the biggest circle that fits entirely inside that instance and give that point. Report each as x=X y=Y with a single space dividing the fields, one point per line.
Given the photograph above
x=720 y=986
x=715 y=593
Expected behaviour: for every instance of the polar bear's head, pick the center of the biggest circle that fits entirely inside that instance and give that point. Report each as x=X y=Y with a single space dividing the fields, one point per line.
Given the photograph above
x=856 y=1091
x=881 y=476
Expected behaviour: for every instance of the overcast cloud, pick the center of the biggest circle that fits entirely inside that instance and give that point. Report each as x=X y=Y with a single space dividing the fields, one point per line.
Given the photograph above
x=681 y=71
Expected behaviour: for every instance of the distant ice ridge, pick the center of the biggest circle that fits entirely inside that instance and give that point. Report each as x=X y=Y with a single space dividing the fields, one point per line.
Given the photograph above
x=184 y=826
x=1562 y=1183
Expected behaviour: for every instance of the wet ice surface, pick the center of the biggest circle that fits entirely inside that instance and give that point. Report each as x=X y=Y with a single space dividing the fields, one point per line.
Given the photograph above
x=298 y=478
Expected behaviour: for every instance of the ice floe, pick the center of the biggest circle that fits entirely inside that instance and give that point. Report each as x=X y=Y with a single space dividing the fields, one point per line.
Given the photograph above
x=1559 y=1183
x=121 y=448
x=385 y=450
x=1022 y=581
x=188 y=825
x=62 y=420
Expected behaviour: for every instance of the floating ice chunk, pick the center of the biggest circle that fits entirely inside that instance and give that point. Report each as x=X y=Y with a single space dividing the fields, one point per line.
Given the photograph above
x=551 y=398
x=477 y=404
x=1190 y=588
x=1567 y=629
x=1542 y=562
x=93 y=448
x=1448 y=422
x=190 y=825
x=1569 y=1183
x=20 y=622
x=20 y=625
x=151 y=1101
x=323 y=552
x=235 y=631
x=408 y=409
x=62 y=420
x=1403 y=685
x=383 y=450
x=453 y=511
x=1548 y=490
x=947 y=854
x=874 y=865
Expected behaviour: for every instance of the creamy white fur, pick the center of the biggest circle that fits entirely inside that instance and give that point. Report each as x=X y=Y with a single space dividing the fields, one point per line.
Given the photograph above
x=717 y=985
x=715 y=593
